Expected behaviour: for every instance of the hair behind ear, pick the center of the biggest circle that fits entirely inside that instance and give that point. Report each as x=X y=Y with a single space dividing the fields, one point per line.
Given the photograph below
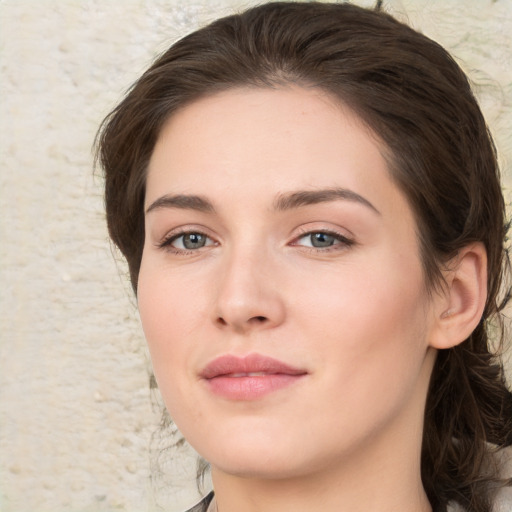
x=468 y=406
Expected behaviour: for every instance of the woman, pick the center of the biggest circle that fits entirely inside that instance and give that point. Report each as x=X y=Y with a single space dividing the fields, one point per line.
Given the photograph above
x=309 y=203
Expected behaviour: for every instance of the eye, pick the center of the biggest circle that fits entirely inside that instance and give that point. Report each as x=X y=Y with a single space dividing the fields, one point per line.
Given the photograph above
x=323 y=240
x=187 y=241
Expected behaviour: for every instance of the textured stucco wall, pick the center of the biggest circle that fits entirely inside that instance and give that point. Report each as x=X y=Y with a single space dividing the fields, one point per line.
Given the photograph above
x=75 y=410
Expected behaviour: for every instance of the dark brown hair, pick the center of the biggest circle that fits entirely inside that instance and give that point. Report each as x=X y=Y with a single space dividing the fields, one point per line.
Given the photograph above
x=413 y=95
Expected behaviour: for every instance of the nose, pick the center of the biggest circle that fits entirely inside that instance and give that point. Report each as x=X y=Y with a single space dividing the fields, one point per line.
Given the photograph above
x=249 y=297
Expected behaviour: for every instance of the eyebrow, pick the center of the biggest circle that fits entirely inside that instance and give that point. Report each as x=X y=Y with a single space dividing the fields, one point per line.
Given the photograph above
x=182 y=201
x=308 y=197
x=288 y=201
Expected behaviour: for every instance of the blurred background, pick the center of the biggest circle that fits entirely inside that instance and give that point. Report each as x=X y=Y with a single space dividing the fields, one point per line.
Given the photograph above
x=76 y=409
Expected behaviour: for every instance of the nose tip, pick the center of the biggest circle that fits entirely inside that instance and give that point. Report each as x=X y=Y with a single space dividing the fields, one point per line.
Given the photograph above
x=247 y=299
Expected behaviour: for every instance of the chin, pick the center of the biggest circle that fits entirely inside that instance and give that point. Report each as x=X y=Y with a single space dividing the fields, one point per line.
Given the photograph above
x=261 y=467
x=263 y=455
x=269 y=457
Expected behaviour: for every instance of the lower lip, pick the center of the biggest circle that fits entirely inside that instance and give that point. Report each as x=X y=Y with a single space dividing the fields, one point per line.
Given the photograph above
x=251 y=387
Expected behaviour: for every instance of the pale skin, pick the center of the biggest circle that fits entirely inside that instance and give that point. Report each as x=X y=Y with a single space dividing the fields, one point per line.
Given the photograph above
x=273 y=227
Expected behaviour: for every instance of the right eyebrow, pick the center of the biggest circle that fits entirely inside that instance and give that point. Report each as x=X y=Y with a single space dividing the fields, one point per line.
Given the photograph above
x=182 y=201
x=308 y=197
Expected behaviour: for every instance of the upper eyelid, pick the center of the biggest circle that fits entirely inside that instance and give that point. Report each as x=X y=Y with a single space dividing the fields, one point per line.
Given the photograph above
x=334 y=234
x=336 y=231
x=187 y=229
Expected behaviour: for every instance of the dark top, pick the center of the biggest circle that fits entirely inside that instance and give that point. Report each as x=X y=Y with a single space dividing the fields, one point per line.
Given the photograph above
x=202 y=506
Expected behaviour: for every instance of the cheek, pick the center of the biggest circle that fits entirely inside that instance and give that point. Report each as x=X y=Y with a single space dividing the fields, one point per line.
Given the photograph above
x=169 y=312
x=170 y=303
x=372 y=320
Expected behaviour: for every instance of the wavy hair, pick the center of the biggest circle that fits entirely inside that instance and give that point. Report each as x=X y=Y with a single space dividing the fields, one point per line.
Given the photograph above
x=411 y=93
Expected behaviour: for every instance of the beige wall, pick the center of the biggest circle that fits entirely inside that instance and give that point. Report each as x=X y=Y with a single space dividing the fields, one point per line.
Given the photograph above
x=75 y=411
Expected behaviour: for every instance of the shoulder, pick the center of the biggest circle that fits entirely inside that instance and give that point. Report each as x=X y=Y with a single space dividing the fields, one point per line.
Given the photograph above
x=504 y=496
x=202 y=506
x=503 y=499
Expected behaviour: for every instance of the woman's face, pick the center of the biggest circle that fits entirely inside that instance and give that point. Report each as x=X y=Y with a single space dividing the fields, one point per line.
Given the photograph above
x=281 y=288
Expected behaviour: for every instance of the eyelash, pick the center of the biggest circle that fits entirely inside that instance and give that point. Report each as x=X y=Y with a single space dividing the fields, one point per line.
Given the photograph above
x=166 y=243
x=344 y=242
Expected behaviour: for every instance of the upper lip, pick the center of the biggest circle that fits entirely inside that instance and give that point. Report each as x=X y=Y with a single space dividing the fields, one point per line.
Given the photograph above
x=253 y=363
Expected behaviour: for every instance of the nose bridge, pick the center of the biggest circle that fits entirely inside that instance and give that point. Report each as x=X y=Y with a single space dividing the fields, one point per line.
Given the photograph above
x=248 y=294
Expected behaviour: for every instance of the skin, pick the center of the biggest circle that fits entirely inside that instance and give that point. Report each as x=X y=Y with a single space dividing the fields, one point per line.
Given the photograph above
x=355 y=315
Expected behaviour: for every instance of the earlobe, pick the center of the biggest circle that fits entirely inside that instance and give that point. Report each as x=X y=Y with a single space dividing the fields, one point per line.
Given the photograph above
x=460 y=306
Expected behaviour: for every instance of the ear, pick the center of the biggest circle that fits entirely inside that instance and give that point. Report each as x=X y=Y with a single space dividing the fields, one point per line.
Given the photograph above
x=459 y=307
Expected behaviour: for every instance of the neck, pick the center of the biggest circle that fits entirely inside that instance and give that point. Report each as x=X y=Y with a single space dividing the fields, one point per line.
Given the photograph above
x=382 y=487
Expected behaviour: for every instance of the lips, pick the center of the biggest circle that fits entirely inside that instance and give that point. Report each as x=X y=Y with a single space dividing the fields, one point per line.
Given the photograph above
x=250 y=377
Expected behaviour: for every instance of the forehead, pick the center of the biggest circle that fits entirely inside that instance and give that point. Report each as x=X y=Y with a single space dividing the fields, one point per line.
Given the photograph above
x=246 y=143
x=248 y=133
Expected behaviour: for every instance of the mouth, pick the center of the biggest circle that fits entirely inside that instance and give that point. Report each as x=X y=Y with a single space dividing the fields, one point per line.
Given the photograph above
x=250 y=377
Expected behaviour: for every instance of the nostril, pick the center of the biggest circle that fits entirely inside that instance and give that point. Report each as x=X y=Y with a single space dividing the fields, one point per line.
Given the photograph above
x=252 y=320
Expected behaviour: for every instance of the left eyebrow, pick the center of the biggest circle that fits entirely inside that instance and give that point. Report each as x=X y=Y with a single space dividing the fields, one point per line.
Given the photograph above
x=182 y=201
x=308 y=197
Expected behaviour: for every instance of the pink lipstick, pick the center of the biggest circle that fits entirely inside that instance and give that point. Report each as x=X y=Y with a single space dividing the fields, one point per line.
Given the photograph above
x=250 y=377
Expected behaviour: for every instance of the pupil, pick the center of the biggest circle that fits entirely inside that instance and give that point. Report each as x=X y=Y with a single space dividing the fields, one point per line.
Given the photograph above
x=321 y=240
x=193 y=241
